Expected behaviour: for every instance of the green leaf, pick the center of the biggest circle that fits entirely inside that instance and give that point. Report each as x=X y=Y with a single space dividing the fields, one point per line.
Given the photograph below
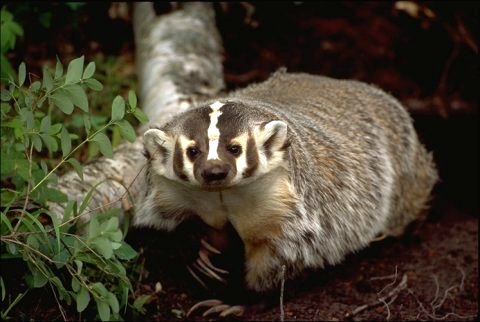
x=47 y=79
x=22 y=74
x=118 y=108
x=5 y=95
x=64 y=295
x=113 y=302
x=27 y=117
x=94 y=84
x=56 y=228
x=89 y=70
x=69 y=210
x=103 y=246
x=61 y=258
x=75 y=284
x=86 y=122
x=12 y=248
x=78 y=96
x=74 y=71
x=79 y=266
x=4 y=108
x=93 y=228
x=103 y=144
x=55 y=195
x=37 y=142
x=5 y=221
x=58 y=69
x=62 y=101
x=110 y=225
x=35 y=86
x=127 y=130
x=125 y=252
x=32 y=241
x=45 y=124
x=116 y=245
x=55 y=128
x=39 y=280
x=83 y=298
x=36 y=222
x=77 y=167
x=2 y=286
x=103 y=310
x=132 y=99
x=139 y=115
x=65 y=142
x=50 y=142
x=86 y=202
x=44 y=166
x=140 y=302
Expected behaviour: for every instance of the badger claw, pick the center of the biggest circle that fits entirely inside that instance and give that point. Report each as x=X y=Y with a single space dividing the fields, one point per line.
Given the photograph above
x=206 y=303
x=217 y=306
x=209 y=247
x=203 y=265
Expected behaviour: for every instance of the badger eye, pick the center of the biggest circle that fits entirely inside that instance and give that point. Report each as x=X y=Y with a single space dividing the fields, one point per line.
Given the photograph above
x=192 y=152
x=235 y=150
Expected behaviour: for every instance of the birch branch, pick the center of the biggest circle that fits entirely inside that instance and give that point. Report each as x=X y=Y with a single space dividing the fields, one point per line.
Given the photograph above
x=178 y=58
x=179 y=62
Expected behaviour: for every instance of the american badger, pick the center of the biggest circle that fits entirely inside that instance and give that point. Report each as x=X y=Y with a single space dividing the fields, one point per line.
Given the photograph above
x=305 y=168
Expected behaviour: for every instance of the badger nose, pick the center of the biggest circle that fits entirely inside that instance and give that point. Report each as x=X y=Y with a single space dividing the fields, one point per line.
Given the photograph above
x=215 y=172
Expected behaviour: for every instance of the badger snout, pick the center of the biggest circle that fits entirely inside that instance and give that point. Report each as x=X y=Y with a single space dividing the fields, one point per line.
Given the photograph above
x=215 y=171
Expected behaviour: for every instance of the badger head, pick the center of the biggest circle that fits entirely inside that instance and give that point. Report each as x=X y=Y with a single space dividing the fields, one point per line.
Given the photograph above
x=217 y=146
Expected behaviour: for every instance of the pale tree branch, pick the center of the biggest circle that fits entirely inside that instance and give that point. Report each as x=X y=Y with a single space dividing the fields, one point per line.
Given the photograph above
x=179 y=62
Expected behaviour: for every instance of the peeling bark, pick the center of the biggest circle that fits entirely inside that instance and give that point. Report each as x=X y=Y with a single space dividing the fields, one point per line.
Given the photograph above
x=178 y=58
x=179 y=62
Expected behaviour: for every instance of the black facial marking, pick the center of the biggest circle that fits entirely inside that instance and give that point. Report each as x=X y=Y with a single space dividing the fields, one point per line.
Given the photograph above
x=196 y=124
x=178 y=162
x=252 y=158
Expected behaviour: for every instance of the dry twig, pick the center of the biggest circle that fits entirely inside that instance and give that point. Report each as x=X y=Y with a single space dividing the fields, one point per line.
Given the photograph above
x=282 y=286
x=391 y=296
x=437 y=302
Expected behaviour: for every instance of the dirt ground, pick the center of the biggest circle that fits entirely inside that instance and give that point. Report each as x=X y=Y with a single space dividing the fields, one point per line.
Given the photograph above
x=431 y=64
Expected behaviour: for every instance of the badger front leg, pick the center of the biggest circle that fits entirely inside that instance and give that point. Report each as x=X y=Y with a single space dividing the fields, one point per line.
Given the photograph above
x=225 y=248
x=263 y=265
x=213 y=244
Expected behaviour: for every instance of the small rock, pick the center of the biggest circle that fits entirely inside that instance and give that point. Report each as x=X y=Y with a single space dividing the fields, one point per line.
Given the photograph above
x=158 y=287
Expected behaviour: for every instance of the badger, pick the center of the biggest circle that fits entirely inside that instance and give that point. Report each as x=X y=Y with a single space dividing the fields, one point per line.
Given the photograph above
x=305 y=168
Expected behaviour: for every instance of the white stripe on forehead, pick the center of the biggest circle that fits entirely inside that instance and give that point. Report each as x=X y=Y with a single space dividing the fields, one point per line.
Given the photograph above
x=213 y=132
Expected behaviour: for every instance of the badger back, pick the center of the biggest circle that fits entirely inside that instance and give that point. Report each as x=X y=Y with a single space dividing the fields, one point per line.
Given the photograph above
x=354 y=156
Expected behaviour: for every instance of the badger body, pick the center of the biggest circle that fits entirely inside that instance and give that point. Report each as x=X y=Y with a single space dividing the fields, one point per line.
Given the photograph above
x=305 y=168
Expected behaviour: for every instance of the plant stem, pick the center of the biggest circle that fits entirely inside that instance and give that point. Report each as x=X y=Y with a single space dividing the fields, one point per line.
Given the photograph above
x=70 y=154
x=29 y=184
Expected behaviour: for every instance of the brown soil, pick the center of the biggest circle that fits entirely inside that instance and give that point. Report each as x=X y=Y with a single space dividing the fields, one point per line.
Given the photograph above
x=433 y=68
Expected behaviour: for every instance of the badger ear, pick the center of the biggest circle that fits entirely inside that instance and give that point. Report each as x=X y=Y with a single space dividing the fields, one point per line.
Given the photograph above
x=271 y=137
x=158 y=143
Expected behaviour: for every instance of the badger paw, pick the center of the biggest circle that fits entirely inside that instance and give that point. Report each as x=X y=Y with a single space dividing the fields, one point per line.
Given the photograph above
x=203 y=265
x=217 y=307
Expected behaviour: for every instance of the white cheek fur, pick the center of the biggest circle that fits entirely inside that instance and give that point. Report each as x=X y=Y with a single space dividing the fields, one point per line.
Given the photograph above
x=188 y=166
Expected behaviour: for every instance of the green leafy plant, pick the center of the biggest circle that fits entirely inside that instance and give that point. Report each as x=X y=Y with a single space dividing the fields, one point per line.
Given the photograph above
x=9 y=31
x=84 y=264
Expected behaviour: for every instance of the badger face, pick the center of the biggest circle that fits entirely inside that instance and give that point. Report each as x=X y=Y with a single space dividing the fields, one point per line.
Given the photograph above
x=217 y=146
